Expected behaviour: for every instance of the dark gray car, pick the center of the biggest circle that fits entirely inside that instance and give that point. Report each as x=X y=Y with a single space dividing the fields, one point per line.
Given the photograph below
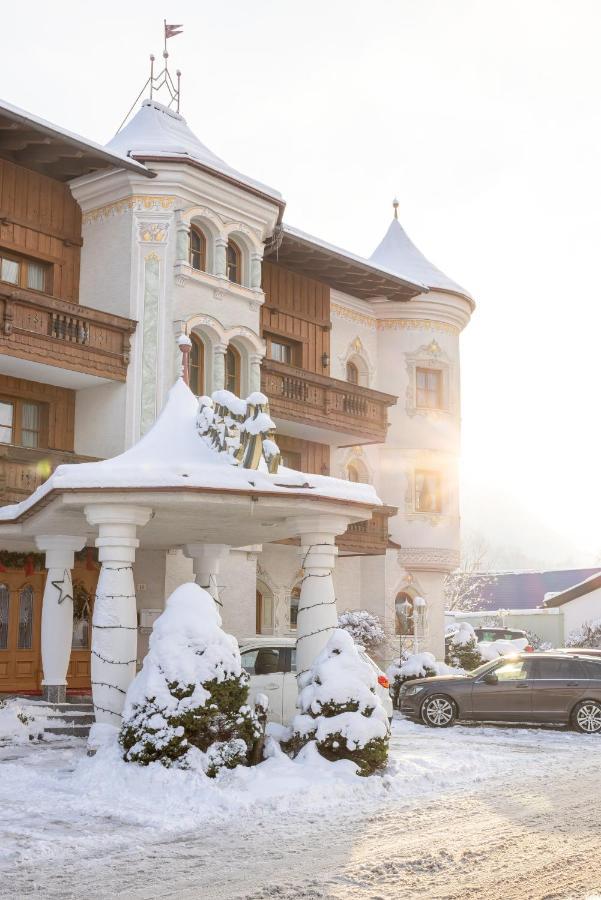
x=528 y=687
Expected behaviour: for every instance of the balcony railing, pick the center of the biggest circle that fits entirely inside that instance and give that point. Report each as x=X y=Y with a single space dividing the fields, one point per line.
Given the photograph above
x=318 y=400
x=44 y=329
x=23 y=469
x=369 y=538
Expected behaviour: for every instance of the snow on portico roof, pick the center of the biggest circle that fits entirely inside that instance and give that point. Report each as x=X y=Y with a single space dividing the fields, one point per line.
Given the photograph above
x=397 y=253
x=156 y=132
x=172 y=454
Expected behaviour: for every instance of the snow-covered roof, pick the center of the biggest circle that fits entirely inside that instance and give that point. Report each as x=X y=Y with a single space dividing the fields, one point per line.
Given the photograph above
x=156 y=132
x=172 y=454
x=398 y=254
x=112 y=156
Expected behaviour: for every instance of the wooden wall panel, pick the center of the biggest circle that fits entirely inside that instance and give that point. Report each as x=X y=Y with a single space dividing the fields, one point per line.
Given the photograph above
x=315 y=458
x=60 y=403
x=41 y=220
x=298 y=307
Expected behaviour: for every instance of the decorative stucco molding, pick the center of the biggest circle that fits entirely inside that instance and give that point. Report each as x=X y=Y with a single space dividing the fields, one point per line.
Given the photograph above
x=342 y=312
x=137 y=202
x=153 y=232
x=429 y=559
x=416 y=325
x=357 y=354
x=431 y=356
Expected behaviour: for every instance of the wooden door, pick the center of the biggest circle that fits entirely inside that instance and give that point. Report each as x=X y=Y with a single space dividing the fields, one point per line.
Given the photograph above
x=84 y=589
x=20 y=625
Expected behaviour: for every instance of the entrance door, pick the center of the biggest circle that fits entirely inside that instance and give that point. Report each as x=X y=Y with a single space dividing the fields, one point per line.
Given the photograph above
x=84 y=590
x=20 y=622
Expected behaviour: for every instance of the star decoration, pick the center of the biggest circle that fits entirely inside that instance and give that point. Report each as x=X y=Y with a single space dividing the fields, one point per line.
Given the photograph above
x=58 y=584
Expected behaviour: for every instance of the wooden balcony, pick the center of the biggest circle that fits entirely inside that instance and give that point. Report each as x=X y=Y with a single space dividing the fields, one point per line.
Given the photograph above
x=22 y=469
x=358 y=414
x=370 y=538
x=43 y=329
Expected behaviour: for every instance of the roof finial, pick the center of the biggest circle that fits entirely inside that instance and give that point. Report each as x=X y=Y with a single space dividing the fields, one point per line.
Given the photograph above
x=395 y=206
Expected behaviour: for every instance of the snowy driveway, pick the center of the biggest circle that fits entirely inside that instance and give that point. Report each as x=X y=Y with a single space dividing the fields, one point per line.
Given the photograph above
x=464 y=813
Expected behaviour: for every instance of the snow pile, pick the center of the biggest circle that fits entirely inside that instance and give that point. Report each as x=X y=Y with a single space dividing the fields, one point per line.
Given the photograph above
x=363 y=627
x=490 y=650
x=588 y=635
x=341 y=715
x=415 y=665
x=188 y=706
x=241 y=431
x=21 y=721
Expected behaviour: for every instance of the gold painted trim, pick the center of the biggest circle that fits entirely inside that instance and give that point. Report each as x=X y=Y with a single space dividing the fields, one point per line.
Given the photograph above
x=139 y=202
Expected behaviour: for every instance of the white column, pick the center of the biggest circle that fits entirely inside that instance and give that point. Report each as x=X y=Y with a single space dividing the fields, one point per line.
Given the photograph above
x=206 y=564
x=57 y=612
x=221 y=257
x=182 y=244
x=114 y=624
x=255 y=372
x=256 y=260
x=317 y=614
x=219 y=351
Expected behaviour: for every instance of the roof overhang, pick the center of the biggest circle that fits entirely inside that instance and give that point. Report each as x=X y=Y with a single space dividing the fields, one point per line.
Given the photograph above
x=572 y=593
x=340 y=270
x=33 y=143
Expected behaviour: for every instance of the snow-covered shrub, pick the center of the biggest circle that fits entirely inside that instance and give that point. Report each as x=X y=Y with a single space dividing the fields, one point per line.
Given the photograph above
x=188 y=705
x=339 y=708
x=490 y=650
x=363 y=627
x=588 y=635
x=411 y=666
x=463 y=651
x=537 y=643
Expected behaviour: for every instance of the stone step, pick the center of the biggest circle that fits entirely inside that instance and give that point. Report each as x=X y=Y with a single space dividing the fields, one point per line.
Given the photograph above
x=73 y=707
x=81 y=731
x=73 y=718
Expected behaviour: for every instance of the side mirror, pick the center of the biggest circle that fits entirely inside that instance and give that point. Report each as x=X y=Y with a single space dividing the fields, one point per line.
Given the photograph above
x=491 y=678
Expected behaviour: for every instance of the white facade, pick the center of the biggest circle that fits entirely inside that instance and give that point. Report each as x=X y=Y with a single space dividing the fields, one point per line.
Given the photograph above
x=135 y=263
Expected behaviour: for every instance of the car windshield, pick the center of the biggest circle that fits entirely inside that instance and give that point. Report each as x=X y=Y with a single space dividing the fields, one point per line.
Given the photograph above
x=483 y=668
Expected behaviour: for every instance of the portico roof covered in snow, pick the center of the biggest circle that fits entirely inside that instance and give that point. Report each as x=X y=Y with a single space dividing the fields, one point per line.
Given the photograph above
x=397 y=253
x=161 y=134
x=195 y=493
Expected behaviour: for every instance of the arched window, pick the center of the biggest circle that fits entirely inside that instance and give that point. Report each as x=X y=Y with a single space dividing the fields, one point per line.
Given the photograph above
x=198 y=249
x=25 y=639
x=294 y=601
x=352 y=373
x=197 y=365
x=232 y=371
x=403 y=609
x=4 y=610
x=352 y=473
x=82 y=616
x=234 y=262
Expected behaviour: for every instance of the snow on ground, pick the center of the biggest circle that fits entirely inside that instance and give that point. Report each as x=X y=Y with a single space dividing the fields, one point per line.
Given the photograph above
x=22 y=720
x=55 y=800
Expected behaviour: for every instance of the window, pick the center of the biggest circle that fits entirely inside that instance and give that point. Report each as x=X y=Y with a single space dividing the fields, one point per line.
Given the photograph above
x=82 y=617
x=283 y=350
x=403 y=609
x=352 y=373
x=352 y=473
x=280 y=352
x=428 y=495
x=516 y=670
x=429 y=388
x=26 y=273
x=233 y=263
x=21 y=422
x=4 y=610
x=294 y=601
x=232 y=370
x=292 y=460
x=198 y=249
x=264 y=660
x=25 y=638
x=197 y=365
x=560 y=669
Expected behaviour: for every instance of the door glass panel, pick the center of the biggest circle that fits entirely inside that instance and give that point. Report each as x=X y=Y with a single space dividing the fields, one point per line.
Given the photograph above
x=560 y=669
x=7 y=415
x=512 y=671
x=25 y=639
x=30 y=425
x=293 y=660
x=35 y=276
x=82 y=616
x=9 y=271
x=4 y=608
x=264 y=660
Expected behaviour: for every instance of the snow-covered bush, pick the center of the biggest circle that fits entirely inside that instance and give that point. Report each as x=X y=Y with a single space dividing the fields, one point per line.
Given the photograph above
x=537 y=643
x=490 y=650
x=363 y=627
x=588 y=635
x=339 y=708
x=411 y=666
x=188 y=705
x=463 y=651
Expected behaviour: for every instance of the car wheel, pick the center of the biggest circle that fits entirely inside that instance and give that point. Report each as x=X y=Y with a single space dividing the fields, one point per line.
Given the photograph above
x=438 y=711
x=587 y=717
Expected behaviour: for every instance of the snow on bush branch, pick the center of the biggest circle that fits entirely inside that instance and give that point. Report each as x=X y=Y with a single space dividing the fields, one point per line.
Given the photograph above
x=241 y=431
x=363 y=627
x=588 y=635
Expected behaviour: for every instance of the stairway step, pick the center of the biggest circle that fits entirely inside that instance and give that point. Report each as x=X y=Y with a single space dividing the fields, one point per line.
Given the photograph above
x=73 y=707
x=76 y=718
x=72 y=730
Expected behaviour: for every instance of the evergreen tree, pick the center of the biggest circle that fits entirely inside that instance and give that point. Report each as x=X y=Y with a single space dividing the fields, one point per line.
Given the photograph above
x=409 y=667
x=188 y=705
x=463 y=651
x=340 y=710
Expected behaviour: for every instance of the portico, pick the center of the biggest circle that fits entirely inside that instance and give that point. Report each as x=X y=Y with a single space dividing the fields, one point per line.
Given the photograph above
x=173 y=489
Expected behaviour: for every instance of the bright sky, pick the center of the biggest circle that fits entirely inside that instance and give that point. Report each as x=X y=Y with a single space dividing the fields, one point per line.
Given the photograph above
x=483 y=116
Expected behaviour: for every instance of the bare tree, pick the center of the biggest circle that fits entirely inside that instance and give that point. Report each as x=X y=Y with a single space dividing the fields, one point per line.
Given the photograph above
x=464 y=587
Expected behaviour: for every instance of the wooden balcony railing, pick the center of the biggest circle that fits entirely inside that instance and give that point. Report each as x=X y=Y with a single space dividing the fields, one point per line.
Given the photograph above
x=318 y=400
x=369 y=538
x=44 y=329
x=22 y=469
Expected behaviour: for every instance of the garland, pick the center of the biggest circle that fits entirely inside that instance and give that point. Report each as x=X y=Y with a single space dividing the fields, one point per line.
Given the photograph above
x=34 y=562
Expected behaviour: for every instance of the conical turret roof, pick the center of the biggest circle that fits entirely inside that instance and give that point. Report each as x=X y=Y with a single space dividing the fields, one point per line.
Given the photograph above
x=398 y=254
x=156 y=132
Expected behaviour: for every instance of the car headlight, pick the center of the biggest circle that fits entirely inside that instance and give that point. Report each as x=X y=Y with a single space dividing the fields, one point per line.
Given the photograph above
x=415 y=689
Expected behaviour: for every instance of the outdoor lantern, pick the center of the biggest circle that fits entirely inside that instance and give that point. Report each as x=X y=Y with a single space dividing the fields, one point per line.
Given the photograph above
x=325 y=360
